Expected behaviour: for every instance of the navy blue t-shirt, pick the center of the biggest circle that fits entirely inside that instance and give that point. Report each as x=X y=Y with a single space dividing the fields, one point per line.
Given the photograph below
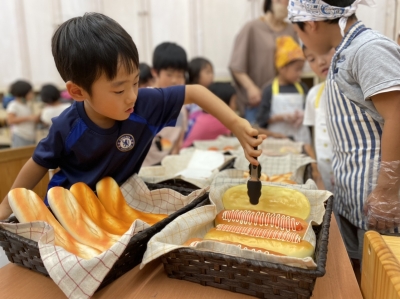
x=87 y=153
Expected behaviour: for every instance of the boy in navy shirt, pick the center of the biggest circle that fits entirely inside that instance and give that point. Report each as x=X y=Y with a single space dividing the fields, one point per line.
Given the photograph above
x=109 y=128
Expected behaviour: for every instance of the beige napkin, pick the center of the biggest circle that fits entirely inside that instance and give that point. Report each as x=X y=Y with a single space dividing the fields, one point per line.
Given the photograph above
x=196 y=223
x=79 y=278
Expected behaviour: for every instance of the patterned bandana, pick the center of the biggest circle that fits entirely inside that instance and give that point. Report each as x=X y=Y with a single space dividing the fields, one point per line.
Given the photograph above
x=318 y=10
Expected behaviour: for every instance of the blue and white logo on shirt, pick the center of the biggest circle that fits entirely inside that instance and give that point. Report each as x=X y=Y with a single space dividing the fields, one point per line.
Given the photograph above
x=125 y=142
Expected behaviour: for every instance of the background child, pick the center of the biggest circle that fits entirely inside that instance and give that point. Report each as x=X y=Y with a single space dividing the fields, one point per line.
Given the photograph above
x=314 y=115
x=109 y=128
x=363 y=107
x=282 y=105
x=146 y=79
x=50 y=95
x=207 y=127
x=200 y=71
x=169 y=69
x=20 y=116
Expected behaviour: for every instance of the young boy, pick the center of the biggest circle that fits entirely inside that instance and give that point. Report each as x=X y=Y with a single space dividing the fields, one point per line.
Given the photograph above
x=282 y=105
x=169 y=69
x=314 y=115
x=20 y=116
x=109 y=128
x=363 y=106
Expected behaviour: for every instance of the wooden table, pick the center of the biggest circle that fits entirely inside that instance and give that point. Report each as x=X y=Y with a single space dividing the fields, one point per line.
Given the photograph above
x=152 y=282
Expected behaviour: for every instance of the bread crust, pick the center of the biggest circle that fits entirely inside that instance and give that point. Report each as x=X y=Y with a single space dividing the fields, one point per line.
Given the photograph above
x=28 y=207
x=114 y=202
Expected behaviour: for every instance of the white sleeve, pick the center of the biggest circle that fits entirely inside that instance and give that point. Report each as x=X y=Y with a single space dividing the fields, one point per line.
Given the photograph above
x=309 y=111
x=12 y=107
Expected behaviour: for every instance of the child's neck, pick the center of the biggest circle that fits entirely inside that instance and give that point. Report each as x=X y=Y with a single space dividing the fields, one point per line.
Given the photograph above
x=336 y=34
x=21 y=100
x=283 y=81
x=274 y=23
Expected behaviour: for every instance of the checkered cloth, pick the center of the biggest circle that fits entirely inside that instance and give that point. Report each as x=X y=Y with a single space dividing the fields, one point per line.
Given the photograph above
x=197 y=222
x=278 y=165
x=79 y=278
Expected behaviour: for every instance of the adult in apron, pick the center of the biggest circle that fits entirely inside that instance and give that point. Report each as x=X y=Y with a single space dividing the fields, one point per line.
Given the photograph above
x=323 y=145
x=288 y=103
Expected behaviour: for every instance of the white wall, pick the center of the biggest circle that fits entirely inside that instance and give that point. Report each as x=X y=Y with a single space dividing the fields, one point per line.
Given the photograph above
x=203 y=27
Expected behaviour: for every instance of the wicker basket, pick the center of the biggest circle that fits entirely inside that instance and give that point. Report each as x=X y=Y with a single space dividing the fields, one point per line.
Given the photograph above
x=251 y=277
x=25 y=252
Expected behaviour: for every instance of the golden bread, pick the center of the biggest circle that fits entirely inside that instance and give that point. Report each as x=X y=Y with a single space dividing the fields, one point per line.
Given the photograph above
x=75 y=220
x=114 y=202
x=89 y=202
x=286 y=243
x=273 y=199
x=28 y=207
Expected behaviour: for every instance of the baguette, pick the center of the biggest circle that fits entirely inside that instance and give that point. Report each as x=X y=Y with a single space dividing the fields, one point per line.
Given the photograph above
x=287 y=243
x=89 y=202
x=194 y=241
x=76 y=221
x=114 y=202
x=262 y=219
x=28 y=207
x=273 y=199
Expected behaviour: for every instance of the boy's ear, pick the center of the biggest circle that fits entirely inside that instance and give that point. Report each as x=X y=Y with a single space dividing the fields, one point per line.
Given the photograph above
x=313 y=26
x=76 y=92
x=154 y=73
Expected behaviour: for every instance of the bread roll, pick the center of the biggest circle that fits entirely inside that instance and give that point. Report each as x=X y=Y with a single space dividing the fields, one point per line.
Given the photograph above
x=89 y=202
x=75 y=220
x=113 y=200
x=287 y=243
x=194 y=241
x=28 y=207
x=262 y=219
x=273 y=199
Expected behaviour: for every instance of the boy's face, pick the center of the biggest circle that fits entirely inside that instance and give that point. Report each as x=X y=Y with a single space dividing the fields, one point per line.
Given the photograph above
x=206 y=76
x=169 y=77
x=314 y=36
x=292 y=72
x=112 y=100
x=319 y=63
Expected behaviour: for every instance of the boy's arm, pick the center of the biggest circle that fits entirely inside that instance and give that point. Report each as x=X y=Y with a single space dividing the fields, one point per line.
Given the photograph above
x=383 y=204
x=28 y=177
x=240 y=127
x=12 y=119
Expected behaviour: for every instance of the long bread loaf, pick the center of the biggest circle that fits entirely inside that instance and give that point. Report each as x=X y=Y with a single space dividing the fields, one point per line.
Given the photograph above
x=75 y=220
x=28 y=207
x=262 y=219
x=273 y=199
x=287 y=243
x=194 y=241
x=89 y=202
x=113 y=200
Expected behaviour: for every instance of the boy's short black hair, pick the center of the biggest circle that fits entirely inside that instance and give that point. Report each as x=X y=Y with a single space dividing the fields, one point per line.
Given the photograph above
x=223 y=90
x=195 y=67
x=49 y=94
x=337 y=3
x=20 y=88
x=169 y=55
x=86 y=47
x=145 y=73
x=267 y=5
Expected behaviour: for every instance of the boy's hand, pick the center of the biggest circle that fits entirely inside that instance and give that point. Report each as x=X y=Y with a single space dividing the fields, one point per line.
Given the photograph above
x=245 y=133
x=5 y=209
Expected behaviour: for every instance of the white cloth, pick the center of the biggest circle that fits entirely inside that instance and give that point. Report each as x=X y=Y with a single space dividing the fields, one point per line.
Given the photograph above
x=24 y=129
x=49 y=112
x=283 y=103
x=316 y=117
x=318 y=10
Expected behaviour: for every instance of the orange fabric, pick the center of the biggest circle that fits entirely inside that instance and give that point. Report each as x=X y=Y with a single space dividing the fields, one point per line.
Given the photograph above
x=287 y=50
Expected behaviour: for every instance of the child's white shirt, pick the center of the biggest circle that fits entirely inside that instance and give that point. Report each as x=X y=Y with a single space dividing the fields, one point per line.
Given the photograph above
x=315 y=115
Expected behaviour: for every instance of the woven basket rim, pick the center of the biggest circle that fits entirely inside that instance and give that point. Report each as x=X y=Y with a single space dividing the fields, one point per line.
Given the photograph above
x=321 y=251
